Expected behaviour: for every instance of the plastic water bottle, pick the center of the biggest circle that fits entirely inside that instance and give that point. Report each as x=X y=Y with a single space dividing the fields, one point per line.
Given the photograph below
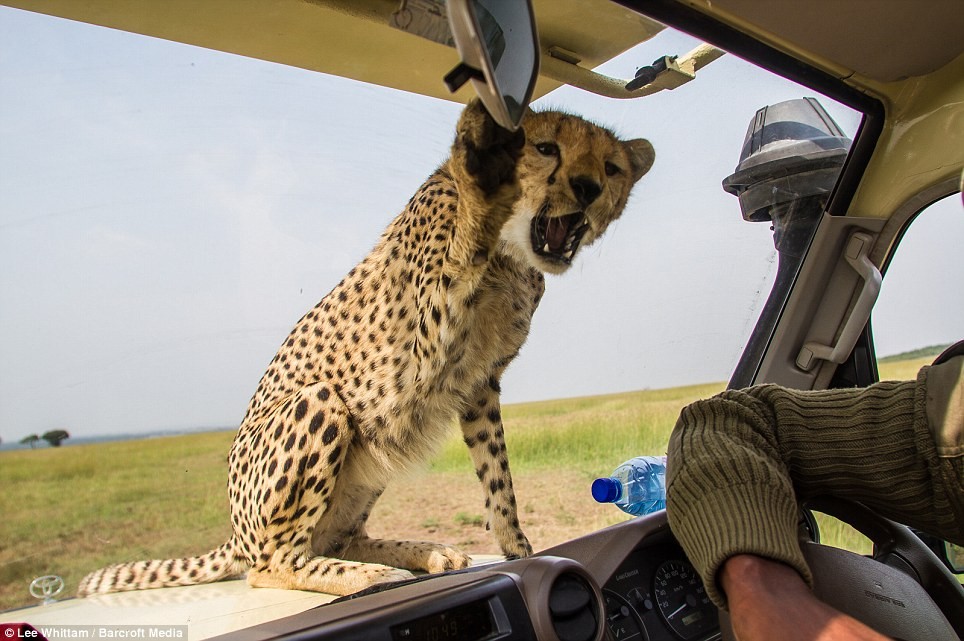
x=637 y=487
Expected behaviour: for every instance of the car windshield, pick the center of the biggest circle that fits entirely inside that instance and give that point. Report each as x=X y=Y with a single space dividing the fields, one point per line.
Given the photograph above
x=167 y=213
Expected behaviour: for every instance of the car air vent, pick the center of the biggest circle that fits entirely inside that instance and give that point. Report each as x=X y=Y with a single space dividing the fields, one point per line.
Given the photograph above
x=573 y=609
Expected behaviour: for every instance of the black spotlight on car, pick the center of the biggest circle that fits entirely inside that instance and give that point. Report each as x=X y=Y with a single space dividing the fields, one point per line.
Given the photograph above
x=790 y=161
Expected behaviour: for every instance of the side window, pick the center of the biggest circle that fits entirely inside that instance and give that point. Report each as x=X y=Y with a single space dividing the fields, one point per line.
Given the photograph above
x=921 y=303
x=918 y=313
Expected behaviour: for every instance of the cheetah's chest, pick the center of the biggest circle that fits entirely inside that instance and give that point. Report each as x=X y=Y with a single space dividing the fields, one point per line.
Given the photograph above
x=407 y=409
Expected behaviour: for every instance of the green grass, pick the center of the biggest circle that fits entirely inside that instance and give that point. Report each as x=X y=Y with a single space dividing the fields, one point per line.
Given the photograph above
x=464 y=518
x=929 y=353
x=72 y=509
x=589 y=434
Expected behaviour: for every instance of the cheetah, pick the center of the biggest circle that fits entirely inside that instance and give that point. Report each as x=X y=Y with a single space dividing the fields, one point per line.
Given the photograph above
x=414 y=338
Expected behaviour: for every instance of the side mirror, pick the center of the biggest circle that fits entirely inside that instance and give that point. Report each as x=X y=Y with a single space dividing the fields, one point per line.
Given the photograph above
x=950 y=554
x=953 y=557
x=499 y=46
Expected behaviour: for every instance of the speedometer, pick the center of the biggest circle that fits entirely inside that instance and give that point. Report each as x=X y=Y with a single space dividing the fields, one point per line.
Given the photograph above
x=682 y=600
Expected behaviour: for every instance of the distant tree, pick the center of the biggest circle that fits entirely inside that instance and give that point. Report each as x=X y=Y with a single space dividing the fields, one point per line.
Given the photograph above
x=30 y=440
x=54 y=437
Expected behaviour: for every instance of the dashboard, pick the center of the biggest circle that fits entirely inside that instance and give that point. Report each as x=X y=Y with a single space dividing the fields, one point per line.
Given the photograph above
x=657 y=594
x=630 y=581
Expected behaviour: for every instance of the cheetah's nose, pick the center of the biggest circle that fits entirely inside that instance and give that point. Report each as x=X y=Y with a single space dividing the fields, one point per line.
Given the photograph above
x=585 y=189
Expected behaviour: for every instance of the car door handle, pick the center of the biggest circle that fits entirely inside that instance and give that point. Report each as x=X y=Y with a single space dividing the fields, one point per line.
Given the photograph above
x=857 y=255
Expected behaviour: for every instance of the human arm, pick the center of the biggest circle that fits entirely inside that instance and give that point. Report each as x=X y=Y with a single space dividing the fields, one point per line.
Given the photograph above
x=740 y=461
x=769 y=600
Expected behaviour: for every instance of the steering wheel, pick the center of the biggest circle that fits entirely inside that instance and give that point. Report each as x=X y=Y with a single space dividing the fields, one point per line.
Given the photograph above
x=903 y=591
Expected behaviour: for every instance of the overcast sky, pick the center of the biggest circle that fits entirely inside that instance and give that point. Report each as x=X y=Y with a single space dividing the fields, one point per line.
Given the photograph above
x=167 y=213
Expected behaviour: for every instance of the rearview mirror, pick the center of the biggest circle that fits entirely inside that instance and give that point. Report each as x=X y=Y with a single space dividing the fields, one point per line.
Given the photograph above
x=499 y=46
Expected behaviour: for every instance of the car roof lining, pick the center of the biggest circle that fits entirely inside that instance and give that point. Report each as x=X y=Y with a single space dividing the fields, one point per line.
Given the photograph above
x=353 y=38
x=879 y=40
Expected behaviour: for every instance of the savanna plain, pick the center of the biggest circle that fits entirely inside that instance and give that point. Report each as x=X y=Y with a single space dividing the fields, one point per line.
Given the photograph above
x=73 y=509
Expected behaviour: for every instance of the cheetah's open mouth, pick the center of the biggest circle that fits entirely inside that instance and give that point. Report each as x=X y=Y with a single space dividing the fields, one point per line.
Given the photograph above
x=557 y=238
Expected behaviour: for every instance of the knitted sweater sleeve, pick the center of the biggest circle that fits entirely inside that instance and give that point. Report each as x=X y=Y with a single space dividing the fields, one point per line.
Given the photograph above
x=739 y=462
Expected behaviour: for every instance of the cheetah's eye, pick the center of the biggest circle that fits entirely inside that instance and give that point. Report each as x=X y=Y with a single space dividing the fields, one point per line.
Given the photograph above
x=547 y=148
x=612 y=170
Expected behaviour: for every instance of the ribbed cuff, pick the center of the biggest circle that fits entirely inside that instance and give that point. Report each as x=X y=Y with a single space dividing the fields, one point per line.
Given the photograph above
x=748 y=519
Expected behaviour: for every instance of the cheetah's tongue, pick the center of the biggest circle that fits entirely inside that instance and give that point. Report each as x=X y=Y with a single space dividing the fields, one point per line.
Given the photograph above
x=557 y=229
x=557 y=238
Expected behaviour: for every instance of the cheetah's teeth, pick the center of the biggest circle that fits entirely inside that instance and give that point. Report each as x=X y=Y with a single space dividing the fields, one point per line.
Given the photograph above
x=546 y=232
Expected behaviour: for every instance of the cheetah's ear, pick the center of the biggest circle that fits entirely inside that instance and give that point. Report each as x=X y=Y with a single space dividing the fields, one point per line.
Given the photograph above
x=641 y=156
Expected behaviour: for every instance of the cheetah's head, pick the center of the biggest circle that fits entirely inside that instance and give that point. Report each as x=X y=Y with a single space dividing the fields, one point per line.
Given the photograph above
x=575 y=179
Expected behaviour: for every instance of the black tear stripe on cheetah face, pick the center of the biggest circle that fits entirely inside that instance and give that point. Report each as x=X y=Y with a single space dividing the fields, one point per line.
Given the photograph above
x=419 y=333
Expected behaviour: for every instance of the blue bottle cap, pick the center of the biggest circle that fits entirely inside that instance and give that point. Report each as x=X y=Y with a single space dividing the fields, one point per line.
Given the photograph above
x=606 y=490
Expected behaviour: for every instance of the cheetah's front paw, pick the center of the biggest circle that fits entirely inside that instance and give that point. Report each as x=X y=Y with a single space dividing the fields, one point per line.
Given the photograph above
x=446 y=558
x=490 y=152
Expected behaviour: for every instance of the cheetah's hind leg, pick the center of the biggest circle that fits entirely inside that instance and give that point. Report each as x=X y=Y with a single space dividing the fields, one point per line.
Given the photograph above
x=312 y=433
x=412 y=555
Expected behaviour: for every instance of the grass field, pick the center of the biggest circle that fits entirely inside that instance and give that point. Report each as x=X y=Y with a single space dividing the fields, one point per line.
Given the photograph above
x=73 y=509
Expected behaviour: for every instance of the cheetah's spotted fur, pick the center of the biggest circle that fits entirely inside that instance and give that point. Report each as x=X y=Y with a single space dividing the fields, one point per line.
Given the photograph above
x=417 y=334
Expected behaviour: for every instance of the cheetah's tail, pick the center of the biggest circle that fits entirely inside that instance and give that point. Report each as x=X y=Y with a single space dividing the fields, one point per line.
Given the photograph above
x=221 y=563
